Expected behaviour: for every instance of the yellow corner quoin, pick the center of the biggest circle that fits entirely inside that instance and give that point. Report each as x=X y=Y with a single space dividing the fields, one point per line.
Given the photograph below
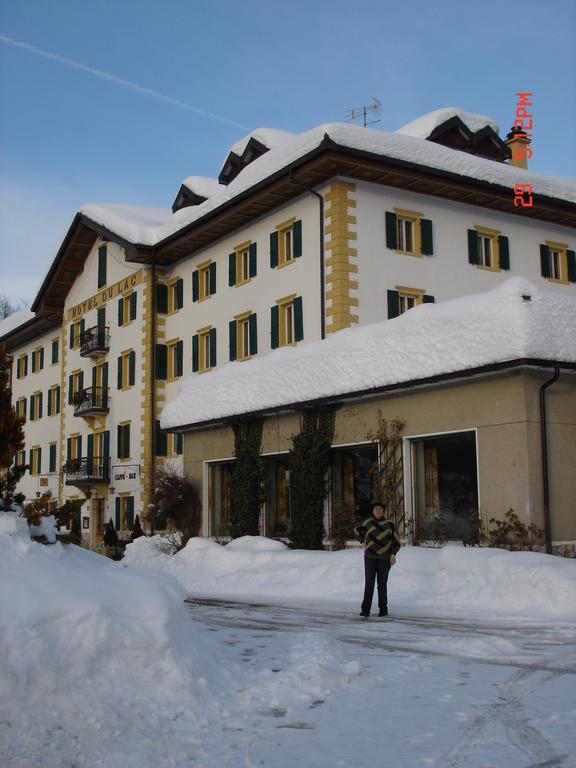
x=338 y=261
x=106 y=294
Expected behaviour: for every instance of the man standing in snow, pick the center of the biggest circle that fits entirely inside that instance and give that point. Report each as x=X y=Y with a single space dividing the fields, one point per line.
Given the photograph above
x=381 y=542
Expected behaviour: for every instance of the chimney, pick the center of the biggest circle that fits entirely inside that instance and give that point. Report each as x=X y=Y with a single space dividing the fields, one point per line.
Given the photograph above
x=519 y=144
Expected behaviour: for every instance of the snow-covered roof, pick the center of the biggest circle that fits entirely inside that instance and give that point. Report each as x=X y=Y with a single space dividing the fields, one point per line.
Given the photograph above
x=147 y=226
x=203 y=186
x=15 y=320
x=422 y=127
x=429 y=340
x=269 y=137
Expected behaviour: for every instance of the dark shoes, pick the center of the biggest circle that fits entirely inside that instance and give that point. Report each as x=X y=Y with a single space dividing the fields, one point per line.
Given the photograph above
x=364 y=614
x=383 y=613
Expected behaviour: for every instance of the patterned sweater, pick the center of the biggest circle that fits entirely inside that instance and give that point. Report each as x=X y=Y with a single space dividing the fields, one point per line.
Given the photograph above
x=380 y=537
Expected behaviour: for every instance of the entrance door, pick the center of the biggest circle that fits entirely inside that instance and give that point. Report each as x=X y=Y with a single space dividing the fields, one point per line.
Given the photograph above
x=98 y=520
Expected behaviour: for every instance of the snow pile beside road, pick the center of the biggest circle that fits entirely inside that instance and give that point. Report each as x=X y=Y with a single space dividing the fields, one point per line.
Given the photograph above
x=450 y=581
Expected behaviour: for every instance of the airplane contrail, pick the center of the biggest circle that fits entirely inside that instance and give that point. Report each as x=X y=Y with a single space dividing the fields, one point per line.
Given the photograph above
x=118 y=81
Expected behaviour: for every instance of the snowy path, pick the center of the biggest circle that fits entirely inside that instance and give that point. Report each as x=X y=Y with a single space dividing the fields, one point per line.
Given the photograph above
x=429 y=692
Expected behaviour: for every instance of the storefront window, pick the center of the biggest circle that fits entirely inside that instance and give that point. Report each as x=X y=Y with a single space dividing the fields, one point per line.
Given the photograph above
x=277 y=519
x=220 y=501
x=353 y=472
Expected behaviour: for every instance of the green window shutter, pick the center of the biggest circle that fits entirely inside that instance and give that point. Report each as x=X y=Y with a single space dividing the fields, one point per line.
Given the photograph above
x=52 y=459
x=393 y=304
x=69 y=449
x=90 y=447
x=504 y=250
x=132 y=368
x=231 y=269
x=81 y=380
x=212 y=278
x=179 y=293
x=26 y=365
x=545 y=261
x=106 y=441
x=253 y=334
x=161 y=441
x=127 y=440
x=391 y=231
x=133 y=305
x=119 y=378
x=161 y=361
x=101 y=315
x=275 y=327
x=119 y=442
x=55 y=351
x=71 y=336
x=473 y=255
x=42 y=358
x=426 y=237
x=252 y=260
x=57 y=399
x=120 y=312
x=298 y=319
x=427 y=299
x=232 y=332
x=179 y=358
x=195 y=364
x=179 y=443
x=39 y=461
x=34 y=361
x=82 y=327
x=102 y=266
x=32 y=414
x=161 y=298
x=30 y=454
x=297 y=244
x=40 y=399
x=195 y=285
x=49 y=404
x=25 y=407
x=571 y=256
x=94 y=380
x=274 y=249
x=130 y=512
x=212 y=361
x=105 y=376
x=117 y=523
x=70 y=390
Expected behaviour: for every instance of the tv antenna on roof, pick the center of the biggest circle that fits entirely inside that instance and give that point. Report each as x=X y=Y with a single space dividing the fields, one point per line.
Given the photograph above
x=375 y=108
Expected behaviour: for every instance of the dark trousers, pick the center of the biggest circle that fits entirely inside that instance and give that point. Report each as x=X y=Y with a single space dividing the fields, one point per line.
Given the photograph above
x=376 y=567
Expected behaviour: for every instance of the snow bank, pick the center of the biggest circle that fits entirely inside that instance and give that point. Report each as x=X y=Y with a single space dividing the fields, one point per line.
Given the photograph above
x=450 y=581
x=429 y=340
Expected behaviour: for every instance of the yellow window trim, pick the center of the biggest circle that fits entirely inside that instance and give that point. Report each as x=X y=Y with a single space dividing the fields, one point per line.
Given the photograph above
x=203 y=334
x=415 y=217
x=563 y=249
x=286 y=224
x=204 y=264
x=206 y=329
x=125 y=355
x=407 y=291
x=240 y=319
x=242 y=246
x=556 y=246
x=170 y=373
x=493 y=234
x=239 y=250
x=406 y=214
x=243 y=315
x=286 y=299
x=487 y=230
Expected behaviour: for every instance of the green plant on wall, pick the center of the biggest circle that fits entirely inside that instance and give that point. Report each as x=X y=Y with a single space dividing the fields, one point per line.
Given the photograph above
x=309 y=462
x=246 y=483
x=388 y=475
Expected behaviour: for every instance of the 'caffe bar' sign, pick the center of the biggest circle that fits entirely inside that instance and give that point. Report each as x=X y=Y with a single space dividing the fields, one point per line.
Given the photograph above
x=106 y=294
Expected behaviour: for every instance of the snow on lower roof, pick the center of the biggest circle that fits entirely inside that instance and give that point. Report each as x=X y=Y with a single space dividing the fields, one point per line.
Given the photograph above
x=203 y=186
x=422 y=127
x=15 y=320
x=429 y=340
x=134 y=223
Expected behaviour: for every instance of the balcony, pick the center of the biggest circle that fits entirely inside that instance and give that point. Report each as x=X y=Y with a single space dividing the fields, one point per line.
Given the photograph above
x=87 y=471
x=91 y=401
x=94 y=341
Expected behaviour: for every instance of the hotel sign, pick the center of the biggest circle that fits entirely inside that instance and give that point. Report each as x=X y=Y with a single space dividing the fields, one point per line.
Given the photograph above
x=106 y=294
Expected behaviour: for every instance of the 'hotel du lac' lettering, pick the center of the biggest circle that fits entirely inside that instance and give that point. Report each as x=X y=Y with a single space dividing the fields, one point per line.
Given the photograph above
x=105 y=295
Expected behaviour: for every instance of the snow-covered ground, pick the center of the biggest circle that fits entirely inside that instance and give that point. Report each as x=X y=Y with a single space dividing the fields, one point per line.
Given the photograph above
x=105 y=665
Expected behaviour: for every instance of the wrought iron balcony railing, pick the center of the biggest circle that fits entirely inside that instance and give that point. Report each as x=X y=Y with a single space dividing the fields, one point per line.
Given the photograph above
x=88 y=470
x=91 y=400
x=94 y=341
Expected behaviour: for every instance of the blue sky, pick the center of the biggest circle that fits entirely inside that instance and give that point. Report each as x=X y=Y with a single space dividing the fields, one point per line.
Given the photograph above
x=69 y=135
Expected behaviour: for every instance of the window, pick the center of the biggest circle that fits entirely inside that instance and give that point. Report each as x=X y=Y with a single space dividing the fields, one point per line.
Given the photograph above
x=557 y=262
x=52 y=457
x=174 y=355
x=76 y=331
x=75 y=385
x=204 y=281
x=220 y=497
x=488 y=249
x=243 y=336
x=21 y=407
x=55 y=351
x=124 y=440
x=20 y=458
x=75 y=447
x=353 y=476
x=22 y=367
x=277 y=489
x=204 y=350
x=175 y=295
x=54 y=400
x=124 y=513
x=404 y=298
x=242 y=264
x=102 y=256
x=36 y=406
x=408 y=233
x=174 y=444
x=287 y=325
x=126 y=370
x=35 y=460
x=37 y=359
x=445 y=485
x=286 y=243
x=127 y=308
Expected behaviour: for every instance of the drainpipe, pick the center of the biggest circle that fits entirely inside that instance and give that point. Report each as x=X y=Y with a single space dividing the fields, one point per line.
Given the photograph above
x=153 y=387
x=322 y=289
x=545 y=475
